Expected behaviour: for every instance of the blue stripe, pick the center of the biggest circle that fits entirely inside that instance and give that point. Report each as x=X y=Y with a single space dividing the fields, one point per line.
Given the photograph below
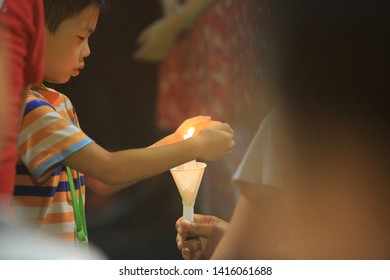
x=60 y=157
x=21 y=190
x=21 y=169
x=64 y=186
x=35 y=104
x=44 y=191
x=34 y=191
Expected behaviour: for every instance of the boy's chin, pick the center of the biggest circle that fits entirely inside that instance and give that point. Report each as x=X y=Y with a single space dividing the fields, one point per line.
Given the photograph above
x=58 y=81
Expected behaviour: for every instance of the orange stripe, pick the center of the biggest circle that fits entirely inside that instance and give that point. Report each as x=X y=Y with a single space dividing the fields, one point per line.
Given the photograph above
x=69 y=112
x=26 y=180
x=55 y=218
x=52 y=96
x=68 y=236
x=32 y=201
x=38 y=112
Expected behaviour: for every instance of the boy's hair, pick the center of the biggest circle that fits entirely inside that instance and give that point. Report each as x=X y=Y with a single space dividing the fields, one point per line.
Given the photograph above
x=58 y=11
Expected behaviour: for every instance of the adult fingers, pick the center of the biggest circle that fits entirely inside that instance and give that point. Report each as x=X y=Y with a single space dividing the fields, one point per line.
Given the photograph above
x=196 y=228
x=192 y=249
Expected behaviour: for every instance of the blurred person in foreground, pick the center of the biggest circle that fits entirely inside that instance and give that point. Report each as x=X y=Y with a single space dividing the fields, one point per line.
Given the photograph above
x=318 y=187
x=22 y=41
x=4 y=88
x=19 y=242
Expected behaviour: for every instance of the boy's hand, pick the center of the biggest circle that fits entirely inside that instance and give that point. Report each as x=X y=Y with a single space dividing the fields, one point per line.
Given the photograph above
x=198 y=123
x=215 y=142
x=207 y=230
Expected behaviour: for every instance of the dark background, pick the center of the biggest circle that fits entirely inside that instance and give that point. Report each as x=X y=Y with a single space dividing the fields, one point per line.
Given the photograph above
x=115 y=101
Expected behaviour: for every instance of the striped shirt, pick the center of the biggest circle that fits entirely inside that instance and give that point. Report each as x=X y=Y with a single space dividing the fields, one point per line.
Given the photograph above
x=49 y=133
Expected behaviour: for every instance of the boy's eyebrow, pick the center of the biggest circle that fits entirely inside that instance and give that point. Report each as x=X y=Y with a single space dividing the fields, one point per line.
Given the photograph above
x=89 y=30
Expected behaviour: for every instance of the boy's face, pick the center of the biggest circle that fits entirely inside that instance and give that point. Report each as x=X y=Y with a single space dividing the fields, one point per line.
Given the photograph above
x=68 y=46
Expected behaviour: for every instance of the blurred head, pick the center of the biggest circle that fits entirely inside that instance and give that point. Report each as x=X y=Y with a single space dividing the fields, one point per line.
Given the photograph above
x=331 y=52
x=69 y=24
x=331 y=73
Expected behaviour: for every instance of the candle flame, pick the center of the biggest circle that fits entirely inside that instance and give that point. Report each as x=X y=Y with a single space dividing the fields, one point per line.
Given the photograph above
x=190 y=133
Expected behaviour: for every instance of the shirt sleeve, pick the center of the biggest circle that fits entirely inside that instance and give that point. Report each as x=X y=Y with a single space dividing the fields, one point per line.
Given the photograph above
x=46 y=138
x=261 y=163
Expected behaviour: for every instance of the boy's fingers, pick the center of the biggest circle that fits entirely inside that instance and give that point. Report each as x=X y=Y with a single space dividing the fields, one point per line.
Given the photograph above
x=224 y=127
x=198 y=120
x=200 y=117
x=209 y=123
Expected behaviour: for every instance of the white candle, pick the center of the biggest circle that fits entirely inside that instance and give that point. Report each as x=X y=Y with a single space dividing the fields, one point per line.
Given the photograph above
x=188 y=182
x=188 y=212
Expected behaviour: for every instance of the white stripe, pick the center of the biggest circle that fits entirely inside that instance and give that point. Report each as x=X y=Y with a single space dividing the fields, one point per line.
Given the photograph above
x=41 y=212
x=37 y=125
x=31 y=212
x=65 y=106
x=50 y=141
x=60 y=207
x=58 y=228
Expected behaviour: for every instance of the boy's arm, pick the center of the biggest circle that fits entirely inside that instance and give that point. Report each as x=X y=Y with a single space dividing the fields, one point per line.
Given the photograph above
x=126 y=167
x=101 y=188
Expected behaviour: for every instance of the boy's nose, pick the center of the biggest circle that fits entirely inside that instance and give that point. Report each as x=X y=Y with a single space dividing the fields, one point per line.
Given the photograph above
x=86 y=51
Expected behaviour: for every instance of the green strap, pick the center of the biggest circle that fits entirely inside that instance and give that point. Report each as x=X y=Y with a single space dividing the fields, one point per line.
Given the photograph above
x=78 y=211
x=81 y=206
x=44 y=87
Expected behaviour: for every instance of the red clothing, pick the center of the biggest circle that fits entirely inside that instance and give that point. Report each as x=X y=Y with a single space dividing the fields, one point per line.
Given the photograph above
x=22 y=33
x=213 y=69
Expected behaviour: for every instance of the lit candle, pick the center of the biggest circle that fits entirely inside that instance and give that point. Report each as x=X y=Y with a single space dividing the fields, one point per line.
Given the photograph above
x=190 y=133
x=188 y=182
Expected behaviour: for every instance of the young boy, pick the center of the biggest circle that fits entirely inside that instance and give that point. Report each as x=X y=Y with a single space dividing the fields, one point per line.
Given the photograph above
x=50 y=138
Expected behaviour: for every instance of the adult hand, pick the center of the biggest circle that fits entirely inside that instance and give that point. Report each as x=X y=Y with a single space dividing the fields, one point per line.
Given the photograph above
x=157 y=39
x=203 y=236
